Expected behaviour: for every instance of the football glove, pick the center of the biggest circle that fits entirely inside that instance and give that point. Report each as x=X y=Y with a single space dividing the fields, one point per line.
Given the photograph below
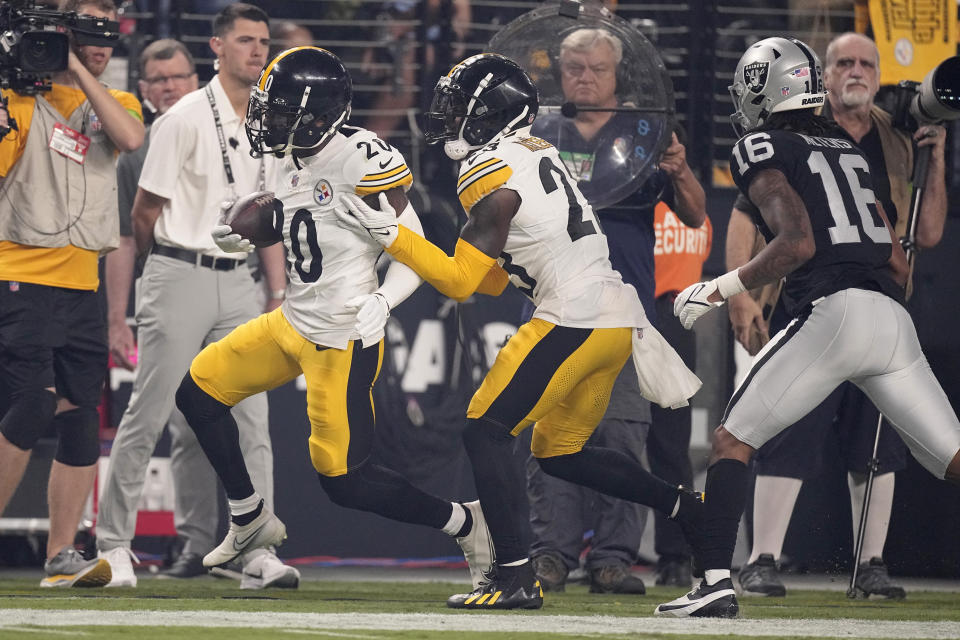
x=692 y=301
x=372 y=313
x=228 y=241
x=380 y=224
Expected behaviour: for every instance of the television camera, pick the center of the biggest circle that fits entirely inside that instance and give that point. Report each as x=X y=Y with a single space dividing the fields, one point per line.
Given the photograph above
x=35 y=42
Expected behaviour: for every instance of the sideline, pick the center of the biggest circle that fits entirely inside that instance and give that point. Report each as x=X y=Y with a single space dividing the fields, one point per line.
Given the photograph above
x=558 y=625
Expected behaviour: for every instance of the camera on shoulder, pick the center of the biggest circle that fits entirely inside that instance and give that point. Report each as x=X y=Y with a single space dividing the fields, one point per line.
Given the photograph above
x=35 y=43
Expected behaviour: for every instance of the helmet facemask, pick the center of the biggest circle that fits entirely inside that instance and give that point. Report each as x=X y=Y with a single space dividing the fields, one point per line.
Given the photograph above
x=465 y=122
x=281 y=128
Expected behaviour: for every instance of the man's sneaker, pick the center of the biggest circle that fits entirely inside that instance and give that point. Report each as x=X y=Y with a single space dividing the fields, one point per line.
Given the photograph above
x=762 y=577
x=120 y=566
x=266 y=530
x=551 y=571
x=187 y=565
x=674 y=571
x=266 y=570
x=706 y=601
x=690 y=519
x=873 y=580
x=615 y=578
x=69 y=569
x=477 y=546
x=504 y=588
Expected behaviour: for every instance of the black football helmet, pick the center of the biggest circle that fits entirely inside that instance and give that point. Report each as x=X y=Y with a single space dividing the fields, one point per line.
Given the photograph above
x=482 y=98
x=302 y=98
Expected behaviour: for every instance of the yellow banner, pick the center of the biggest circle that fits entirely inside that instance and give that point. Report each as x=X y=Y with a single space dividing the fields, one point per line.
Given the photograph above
x=913 y=36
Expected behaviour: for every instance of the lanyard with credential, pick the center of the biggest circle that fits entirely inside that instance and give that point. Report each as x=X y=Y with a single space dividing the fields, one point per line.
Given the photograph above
x=227 y=168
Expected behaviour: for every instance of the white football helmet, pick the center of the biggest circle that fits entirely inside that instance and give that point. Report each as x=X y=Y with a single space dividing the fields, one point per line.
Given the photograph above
x=775 y=74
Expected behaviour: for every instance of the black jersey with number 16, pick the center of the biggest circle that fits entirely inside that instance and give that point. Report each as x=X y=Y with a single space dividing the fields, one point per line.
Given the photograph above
x=832 y=177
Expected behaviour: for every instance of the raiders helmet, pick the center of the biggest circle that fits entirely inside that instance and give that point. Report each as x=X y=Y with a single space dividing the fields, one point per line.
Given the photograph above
x=776 y=74
x=301 y=100
x=482 y=98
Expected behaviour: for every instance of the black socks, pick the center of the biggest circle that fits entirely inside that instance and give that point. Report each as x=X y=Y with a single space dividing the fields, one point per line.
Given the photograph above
x=500 y=482
x=615 y=474
x=725 y=498
x=248 y=517
x=218 y=436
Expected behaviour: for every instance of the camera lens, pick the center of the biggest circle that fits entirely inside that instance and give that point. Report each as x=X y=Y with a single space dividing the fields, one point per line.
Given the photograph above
x=44 y=51
x=946 y=83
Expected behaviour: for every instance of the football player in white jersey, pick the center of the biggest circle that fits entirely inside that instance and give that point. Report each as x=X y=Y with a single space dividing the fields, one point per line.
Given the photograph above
x=330 y=326
x=530 y=225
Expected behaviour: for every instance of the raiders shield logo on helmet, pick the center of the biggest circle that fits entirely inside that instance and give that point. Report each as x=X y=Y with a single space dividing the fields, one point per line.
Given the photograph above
x=755 y=76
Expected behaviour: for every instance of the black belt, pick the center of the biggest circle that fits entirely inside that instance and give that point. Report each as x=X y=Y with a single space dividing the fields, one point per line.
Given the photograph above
x=199 y=259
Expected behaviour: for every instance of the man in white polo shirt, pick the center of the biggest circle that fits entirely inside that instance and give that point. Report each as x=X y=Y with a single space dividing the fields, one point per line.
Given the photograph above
x=191 y=293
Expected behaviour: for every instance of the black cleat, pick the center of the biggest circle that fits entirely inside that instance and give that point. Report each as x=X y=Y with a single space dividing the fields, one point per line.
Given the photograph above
x=674 y=571
x=706 y=601
x=505 y=588
x=873 y=580
x=762 y=577
x=187 y=565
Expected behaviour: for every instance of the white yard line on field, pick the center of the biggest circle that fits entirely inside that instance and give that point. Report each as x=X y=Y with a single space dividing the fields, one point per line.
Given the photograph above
x=558 y=625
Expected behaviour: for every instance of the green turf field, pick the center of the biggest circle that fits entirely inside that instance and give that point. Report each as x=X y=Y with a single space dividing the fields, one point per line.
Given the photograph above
x=212 y=609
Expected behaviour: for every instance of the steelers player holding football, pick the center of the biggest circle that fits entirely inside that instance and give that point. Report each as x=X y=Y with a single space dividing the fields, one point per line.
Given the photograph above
x=529 y=224
x=330 y=326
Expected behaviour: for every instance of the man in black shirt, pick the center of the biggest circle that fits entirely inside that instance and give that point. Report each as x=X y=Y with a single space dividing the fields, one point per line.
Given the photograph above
x=845 y=271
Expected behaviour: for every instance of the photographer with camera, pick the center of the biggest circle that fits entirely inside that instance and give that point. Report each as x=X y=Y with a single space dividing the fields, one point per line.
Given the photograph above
x=58 y=215
x=852 y=79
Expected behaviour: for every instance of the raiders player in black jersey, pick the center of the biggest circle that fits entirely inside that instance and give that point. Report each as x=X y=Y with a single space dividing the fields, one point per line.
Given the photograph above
x=845 y=274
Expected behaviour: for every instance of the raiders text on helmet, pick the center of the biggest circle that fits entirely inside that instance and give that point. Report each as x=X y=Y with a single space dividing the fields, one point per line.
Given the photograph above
x=482 y=98
x=776 y=74
x=302 y=98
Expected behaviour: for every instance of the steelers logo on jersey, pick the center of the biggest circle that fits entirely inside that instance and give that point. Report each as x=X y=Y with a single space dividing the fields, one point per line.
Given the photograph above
x=323 y=193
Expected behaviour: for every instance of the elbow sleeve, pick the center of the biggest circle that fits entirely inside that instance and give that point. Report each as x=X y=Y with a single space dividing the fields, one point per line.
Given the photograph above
x=456 y=276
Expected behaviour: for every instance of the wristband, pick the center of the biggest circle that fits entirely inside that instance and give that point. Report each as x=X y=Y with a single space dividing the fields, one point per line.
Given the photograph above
x=729 y=284
x=278 y=294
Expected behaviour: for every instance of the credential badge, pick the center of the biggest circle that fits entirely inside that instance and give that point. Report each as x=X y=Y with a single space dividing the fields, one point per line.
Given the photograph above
x=323 y=193
x=755 y=76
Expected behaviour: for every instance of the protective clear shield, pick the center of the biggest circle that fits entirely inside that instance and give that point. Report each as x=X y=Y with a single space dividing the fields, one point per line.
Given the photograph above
x=610 y=119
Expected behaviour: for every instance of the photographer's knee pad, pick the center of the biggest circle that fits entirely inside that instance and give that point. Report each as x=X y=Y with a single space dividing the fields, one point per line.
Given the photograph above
x=79 y=442
x=30 y=413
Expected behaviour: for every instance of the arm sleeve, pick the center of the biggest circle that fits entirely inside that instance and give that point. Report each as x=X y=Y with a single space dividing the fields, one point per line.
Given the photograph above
x=400 y=280
x=494 y=282
x=456 y=276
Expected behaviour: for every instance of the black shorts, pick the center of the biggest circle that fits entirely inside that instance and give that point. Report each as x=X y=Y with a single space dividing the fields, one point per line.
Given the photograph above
x=51 y=337
x=846 y=418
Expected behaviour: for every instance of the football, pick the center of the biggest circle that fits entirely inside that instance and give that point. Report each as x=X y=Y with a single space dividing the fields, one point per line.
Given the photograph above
x=257 y=217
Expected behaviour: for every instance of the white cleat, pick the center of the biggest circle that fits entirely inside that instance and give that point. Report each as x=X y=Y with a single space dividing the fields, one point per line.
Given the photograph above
x=706 y=601
x=266 y=530
x=120 y=566
x=267 y=570
x=477 y=545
